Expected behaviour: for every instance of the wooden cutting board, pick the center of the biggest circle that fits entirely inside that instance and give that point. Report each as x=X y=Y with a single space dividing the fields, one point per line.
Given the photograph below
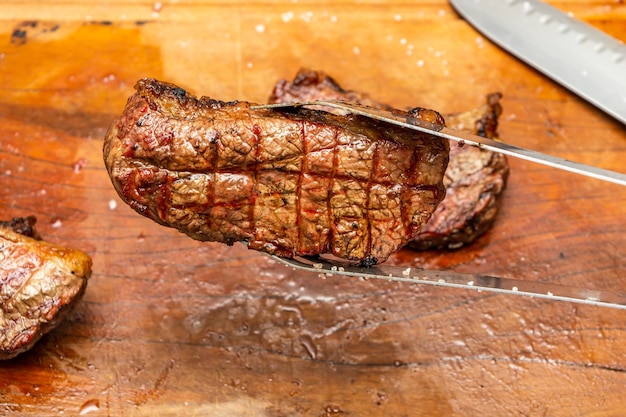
x=171 y=327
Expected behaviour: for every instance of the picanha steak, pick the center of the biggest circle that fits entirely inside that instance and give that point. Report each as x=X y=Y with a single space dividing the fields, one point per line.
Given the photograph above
x=300 y=182
x=40 y=283
x=474 y=178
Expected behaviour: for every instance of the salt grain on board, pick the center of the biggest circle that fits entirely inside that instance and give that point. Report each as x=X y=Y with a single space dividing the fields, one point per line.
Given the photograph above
x=307 y=17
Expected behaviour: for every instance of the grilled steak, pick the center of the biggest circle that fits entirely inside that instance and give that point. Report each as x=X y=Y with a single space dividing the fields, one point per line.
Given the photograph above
x=309 y=85
x=474 y=179
x=39 y=284
x=292 y=183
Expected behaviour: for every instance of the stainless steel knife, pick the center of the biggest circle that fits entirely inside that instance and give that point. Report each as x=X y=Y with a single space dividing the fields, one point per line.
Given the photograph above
x=585 y=60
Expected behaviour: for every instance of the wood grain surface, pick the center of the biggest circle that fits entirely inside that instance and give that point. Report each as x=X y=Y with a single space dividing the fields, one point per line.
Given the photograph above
x=174 y=327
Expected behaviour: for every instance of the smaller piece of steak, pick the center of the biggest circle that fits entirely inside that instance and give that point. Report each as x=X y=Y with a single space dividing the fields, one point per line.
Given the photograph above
x=40 y=283
x=474 y=179
x=300 y=182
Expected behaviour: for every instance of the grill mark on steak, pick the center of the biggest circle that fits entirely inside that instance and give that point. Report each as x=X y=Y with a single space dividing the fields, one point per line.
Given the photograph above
x=368 y=196
x=254 y=196
x=299 y=187
x=406 y=216
x=288 y=183
x=331 y=181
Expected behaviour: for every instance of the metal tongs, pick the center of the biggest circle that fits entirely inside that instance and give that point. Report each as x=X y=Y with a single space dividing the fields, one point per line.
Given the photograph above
x=478 y=282
x=404 y=119
x=451 y=279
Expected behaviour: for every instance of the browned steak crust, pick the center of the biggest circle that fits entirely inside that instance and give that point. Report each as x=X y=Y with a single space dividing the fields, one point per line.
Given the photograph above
x=288 y=183
x=39 y=284
x=309 y=85
x=474 y=179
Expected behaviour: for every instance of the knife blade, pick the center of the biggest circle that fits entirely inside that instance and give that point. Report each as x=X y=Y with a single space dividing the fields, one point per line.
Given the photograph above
x=403 y=119
x=478 y=282
x=583 y=59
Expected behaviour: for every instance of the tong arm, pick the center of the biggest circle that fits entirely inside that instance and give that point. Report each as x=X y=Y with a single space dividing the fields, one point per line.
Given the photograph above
x=451 y=279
